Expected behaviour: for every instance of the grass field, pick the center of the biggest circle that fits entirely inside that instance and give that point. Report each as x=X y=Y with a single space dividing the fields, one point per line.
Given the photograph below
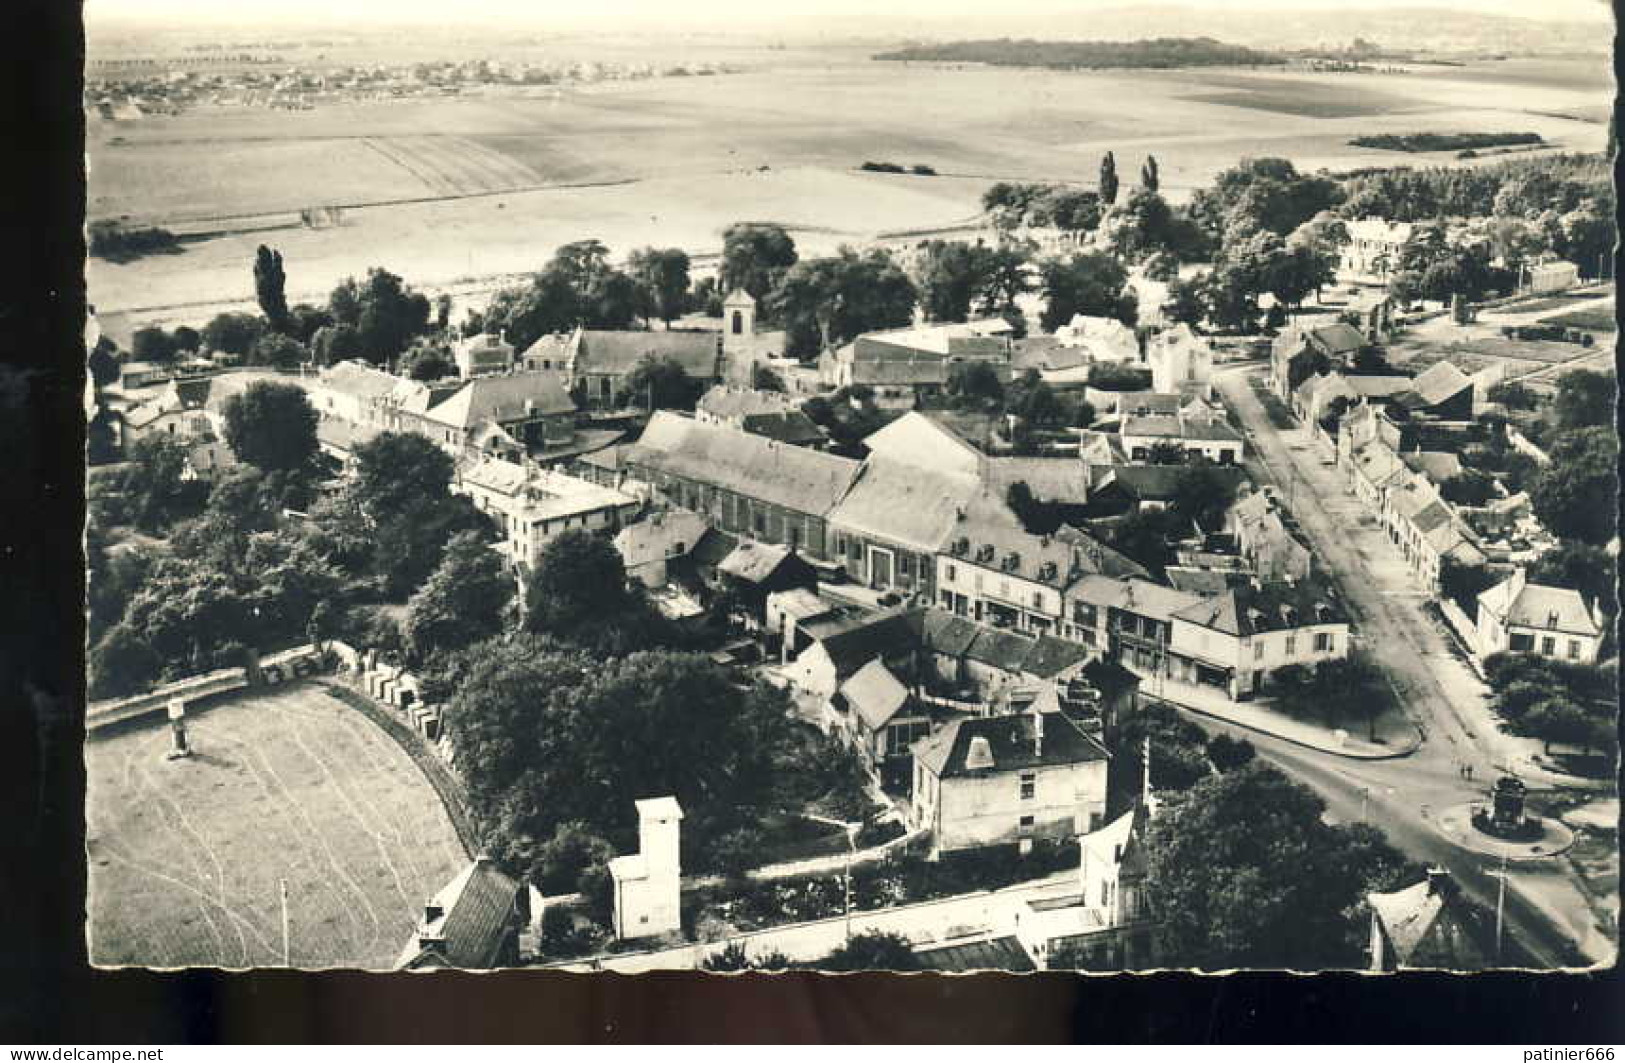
x=185 y=856
x=1594 y=318
x=673 y=161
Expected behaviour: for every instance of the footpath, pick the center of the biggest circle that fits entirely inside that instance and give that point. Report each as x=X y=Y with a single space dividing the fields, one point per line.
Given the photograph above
x=1396 y=735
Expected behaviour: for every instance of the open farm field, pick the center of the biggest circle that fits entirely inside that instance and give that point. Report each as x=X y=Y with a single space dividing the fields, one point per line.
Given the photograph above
x=673 y=161
x=440 y=243
x=185 y=856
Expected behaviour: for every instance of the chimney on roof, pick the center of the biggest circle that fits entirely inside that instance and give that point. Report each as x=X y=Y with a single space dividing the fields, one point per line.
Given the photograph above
x=1038 y=732
x=1440 y=883
x=432 y=912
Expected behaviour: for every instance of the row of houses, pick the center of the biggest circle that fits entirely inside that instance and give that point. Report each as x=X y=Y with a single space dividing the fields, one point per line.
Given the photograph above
x=1402 y=491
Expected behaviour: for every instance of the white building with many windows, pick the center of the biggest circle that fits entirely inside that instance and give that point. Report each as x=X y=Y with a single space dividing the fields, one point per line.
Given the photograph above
x=1516 y=616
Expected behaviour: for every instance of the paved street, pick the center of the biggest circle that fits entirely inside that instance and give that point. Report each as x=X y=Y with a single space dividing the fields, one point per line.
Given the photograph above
x=1545 y=910
x=1443 y=695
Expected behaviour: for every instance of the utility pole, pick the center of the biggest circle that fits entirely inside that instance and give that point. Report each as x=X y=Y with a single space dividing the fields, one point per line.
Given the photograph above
x=282 y=887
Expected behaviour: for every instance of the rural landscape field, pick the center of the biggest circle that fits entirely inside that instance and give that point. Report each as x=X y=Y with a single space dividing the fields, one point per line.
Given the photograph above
x=442 y=190
x=185 y=856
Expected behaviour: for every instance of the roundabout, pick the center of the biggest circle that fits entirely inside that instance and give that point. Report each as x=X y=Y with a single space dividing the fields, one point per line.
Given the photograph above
x=1456 y=823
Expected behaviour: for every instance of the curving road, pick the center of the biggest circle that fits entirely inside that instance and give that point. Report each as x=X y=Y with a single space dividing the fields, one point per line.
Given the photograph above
x=1443 y=696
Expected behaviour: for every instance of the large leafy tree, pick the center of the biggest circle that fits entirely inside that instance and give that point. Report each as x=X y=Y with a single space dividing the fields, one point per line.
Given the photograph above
x=271 y=426
x=397 y=513
x=660 y=383
x=755 y=257
x=524 y=314
x=385 y=313
x=152 y=344
x=1090 y=284
x=1145 y=226
x=232 y=333
x=462 y=602
x=578 y=579
x=548 y=737
x=1584 y=399
x=400 y=472
x=1244 y=872
x=1576 y=495
x=827 y=301
x=270 y=287
x=121 y=663
x=278 y=350
x=950 y=275
x=1264 y=193
x=663 y=275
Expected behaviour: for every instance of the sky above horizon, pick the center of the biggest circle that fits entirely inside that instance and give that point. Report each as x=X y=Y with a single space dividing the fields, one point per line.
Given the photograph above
x=748 y=13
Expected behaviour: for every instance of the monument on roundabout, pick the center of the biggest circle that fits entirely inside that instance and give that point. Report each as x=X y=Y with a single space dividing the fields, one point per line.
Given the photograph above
x=1505 y=816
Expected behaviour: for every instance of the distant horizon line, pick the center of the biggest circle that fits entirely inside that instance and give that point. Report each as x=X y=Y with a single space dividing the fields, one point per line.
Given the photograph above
x=805 y=22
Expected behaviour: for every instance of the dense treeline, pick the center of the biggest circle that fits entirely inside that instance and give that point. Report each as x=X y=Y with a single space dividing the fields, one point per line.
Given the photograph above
x=115 y=242
x=1443 y=141
x=1522 y=186
x=1160 y=53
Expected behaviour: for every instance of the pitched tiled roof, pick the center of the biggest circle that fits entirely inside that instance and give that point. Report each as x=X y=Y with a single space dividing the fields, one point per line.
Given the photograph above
x=1050 y=479
x=915 y=439
x=947 y=634
x=1137 y=596
x=618 y=353
x=874 y=694
x=1004 y=650
x=1542 y=606
x=882 y=635
x=1248 y=609
x=503 y=398
x=1376 y=387
x=359 y=380
x=712 y=547
x=806 y=481
x=754 y=562
x=1150 y=403
x=924 y=371
x=477 y=920
x=724 y=401
x=1203 y=581
x=795 y=428
x=659 y=536
x=1338 y=338
x=1011 y=740
x=1378 y=463
x=1051 y=656
x=1179 y=428
x=1157 y=482
x=913 y=507
x=1426 y=926
x=1097 y=557
x=344 y=436
x=1439 y=382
